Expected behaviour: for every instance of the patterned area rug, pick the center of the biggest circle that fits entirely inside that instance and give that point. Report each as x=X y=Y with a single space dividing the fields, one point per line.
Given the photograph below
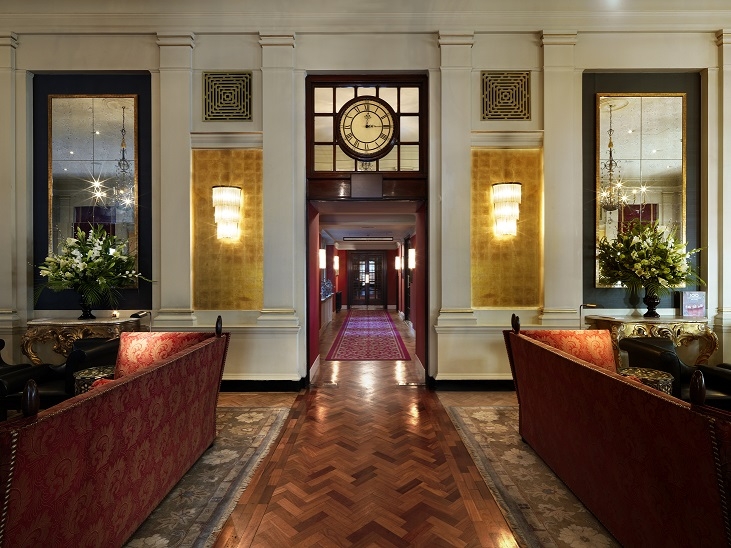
x=368 y=335
x=539 y=508
x=195 y=510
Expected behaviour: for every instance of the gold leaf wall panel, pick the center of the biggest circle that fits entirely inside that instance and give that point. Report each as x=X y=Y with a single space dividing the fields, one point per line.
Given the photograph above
x=228 y=275
x=507 y=271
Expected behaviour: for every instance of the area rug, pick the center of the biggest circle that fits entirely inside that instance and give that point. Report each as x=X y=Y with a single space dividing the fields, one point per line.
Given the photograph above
x=368 y=335
x=539 y=508
x=195 y=510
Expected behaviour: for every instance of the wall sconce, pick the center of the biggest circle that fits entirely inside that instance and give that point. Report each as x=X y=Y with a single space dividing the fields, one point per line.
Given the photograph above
x=227 y=203
x=336 y=263
x=412 y=258
x=506 y=207
x=323 y=259
x=397 y=263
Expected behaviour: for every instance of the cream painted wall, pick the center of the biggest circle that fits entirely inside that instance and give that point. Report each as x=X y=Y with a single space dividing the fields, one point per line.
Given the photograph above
x=555 y=43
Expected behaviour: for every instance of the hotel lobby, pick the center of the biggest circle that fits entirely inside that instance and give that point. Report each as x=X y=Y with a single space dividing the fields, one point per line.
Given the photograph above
x=260 y=96
x=467 y=279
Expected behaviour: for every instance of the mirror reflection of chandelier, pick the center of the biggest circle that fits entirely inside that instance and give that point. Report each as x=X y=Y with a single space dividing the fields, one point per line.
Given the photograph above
x=611 y=191
x=124 y=187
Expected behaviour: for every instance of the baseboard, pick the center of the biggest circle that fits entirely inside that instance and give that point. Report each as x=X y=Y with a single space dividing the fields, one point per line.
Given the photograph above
x=262 y=386
x=472 y=385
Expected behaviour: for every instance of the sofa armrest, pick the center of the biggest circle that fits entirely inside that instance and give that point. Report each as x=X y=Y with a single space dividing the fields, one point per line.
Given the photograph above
x=88 y=353
x=14 y=382
x=4 y=369
x=4 y=366
x=94 y=352
x=716 y=378
x=645 y=354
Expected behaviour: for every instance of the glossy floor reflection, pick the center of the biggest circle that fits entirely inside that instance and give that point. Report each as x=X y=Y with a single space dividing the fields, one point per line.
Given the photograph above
x=368 y=457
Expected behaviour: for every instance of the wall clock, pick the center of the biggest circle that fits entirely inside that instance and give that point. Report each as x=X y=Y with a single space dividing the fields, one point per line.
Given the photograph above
x=366 y=128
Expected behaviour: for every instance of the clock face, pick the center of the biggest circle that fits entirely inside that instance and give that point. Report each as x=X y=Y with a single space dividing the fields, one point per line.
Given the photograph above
x=366 y=128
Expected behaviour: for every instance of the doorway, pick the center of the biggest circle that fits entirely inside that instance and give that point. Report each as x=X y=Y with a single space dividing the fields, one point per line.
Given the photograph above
x=361 y=201
x=367 y=275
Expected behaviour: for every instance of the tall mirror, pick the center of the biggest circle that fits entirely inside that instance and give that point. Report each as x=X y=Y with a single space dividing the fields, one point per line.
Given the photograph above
x=92 y=166
x=640 y=162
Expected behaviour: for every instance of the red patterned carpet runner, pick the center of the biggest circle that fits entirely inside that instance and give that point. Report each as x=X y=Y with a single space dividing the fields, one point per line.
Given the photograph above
x=368 y=335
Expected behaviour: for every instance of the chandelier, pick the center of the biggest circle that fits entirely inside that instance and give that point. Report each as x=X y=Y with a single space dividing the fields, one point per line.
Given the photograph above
x=611 y=191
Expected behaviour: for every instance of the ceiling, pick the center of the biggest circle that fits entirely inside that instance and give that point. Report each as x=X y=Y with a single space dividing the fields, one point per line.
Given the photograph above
x=366 y=219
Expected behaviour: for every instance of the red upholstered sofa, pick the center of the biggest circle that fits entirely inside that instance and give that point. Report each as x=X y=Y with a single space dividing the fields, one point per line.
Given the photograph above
x=88 y=472
x=652 y=468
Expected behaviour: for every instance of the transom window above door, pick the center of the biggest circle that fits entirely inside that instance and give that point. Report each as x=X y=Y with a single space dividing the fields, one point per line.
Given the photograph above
x=367 y=136
x=335 y=107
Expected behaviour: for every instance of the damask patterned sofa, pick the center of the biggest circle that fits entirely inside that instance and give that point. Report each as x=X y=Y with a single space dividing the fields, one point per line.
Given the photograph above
x=88 y=472
x=652 y=468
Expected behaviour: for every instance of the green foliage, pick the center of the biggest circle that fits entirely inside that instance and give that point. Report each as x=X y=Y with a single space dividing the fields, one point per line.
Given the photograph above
x=95 y=265
x=645 y=257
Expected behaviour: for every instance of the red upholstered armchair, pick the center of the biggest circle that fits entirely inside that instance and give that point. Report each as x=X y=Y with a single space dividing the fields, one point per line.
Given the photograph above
x=659 y=353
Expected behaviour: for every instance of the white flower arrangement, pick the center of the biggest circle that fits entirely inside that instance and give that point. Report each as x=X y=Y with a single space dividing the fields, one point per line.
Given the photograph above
x=645 y=257
x=95 y=265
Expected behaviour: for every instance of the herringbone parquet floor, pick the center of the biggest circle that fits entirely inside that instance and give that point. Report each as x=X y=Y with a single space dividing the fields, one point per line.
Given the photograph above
x=368 y=457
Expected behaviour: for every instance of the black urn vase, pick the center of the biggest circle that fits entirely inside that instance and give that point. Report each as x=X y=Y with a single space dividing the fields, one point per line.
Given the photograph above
x=85 y=308
x=651 y=300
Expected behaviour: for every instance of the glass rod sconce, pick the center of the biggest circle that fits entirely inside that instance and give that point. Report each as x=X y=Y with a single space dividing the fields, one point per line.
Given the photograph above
x=322 y=255
x=227 y=203
x=412 y=258
x=336 y=264
x=506 y=207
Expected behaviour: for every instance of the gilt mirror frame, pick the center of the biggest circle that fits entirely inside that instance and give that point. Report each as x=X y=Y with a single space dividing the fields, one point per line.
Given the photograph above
x=92 y=166
x=646 y=169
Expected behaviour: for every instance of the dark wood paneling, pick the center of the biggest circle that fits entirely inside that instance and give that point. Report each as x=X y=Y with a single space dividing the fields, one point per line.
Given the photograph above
x=393 y=189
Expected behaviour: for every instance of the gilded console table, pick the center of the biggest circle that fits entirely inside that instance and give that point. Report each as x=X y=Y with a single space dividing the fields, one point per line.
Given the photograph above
x=682 y=330
x=63 y=332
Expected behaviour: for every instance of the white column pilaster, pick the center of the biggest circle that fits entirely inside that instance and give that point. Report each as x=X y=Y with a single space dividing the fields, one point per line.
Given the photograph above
x=280 y=227
x=175 y=282
x=9 y=236
x=562 y=192
x=456 y=178
x=722 y=319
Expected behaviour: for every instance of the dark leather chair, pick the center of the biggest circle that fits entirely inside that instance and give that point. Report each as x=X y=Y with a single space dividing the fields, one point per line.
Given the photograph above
x=55 y=383
x=659 y=353
x=8 y=367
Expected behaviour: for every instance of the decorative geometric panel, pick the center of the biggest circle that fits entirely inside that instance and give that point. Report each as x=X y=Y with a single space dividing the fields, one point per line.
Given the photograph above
x=506 y=95
x=226 y=96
